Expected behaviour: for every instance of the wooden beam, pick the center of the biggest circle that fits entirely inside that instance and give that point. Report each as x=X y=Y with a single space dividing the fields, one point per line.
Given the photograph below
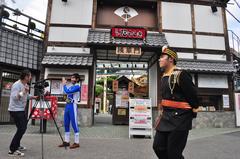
x=111 y=26
x=66 y=44
x=69 y=25
x=47 y=26
x=202 y=51
x=231 y=91
x=94 y=14
x=198 y=2
x=159 y=15
x=193 y=30
x=226 y=38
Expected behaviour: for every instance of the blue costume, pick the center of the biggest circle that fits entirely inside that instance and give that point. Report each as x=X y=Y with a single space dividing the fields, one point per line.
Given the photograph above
x=70 y=113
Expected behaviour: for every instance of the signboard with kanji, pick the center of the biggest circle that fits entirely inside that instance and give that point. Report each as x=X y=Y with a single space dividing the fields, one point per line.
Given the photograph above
x=140 y=117
x=131 y=87
x=84 y=92
x=115 y=85
x=122 y=50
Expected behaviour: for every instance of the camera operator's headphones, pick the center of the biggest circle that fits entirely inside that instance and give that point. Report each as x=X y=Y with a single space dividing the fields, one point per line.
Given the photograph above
x=77 y=76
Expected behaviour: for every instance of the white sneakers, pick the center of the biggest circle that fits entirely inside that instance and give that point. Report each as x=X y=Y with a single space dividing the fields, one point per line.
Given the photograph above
x=15 y=153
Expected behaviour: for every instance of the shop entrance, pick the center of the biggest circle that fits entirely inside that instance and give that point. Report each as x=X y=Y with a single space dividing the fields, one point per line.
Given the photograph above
x=120 y=77
x=126 y=66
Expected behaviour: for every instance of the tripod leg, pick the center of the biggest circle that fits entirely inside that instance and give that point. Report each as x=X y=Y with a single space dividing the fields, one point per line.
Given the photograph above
x=43 y=128
x=33 y=109
x=51 y=113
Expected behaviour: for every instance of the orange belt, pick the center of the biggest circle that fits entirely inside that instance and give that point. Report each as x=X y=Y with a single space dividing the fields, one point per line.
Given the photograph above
x=175 y=104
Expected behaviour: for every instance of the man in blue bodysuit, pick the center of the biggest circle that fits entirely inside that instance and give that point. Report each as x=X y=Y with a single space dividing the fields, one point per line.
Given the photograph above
x=70 y=113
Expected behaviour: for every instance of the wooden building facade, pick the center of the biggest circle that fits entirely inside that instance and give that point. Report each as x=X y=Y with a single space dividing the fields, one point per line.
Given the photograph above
x=78 y=33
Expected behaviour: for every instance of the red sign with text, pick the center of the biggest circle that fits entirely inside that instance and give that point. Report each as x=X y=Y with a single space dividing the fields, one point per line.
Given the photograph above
x=130 y=33
x=84 y=93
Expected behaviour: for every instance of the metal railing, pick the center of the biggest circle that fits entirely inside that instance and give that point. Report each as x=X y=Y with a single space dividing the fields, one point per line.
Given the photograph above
x=234 y=42
x=15 y=20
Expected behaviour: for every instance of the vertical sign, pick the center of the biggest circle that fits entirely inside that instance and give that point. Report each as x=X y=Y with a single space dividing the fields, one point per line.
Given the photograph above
x=237 y=108
x=84 y=93
x=115 y=85
x=131 y=87
x=226 y=101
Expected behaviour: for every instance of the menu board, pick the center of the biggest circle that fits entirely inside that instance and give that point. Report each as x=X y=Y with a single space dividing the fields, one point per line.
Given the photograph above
x=140 y=117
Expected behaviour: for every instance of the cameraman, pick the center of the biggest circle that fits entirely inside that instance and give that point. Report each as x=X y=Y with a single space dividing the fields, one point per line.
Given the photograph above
x=18 y=101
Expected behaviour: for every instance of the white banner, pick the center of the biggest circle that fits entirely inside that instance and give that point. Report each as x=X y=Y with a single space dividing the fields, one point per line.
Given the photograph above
x=237 y=108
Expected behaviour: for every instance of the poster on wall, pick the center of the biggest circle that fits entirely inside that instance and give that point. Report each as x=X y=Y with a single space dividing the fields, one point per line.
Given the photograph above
x=56 y=87
x=140 y=117
x=226 y=101
x=237 y=108
x=84 y=92
x=122 y=98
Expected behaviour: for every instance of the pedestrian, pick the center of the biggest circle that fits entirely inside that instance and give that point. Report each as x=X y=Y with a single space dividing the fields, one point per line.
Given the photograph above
x=17 y=104
x=70 y=112
x=179 y=106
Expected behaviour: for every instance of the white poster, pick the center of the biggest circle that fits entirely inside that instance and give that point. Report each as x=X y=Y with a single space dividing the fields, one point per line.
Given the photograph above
x=122 y=99
x=226 y=101
x=56 y=87
x=237 y=108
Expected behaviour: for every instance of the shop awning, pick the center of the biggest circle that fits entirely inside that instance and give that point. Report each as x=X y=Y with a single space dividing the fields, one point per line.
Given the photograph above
x=203 y=66
x=103 y=36
x=67 y=60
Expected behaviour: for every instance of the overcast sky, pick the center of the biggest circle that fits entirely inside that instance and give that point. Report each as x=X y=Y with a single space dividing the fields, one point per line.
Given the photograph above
x=37 y=9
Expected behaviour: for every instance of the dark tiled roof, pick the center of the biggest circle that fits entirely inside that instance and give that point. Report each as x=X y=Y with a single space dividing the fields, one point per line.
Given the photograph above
x=67 y=60
x=97 y=36
x=203 y=66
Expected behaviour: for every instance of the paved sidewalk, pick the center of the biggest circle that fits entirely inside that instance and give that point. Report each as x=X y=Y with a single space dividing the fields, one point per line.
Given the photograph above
x=111 y=142
x=105 y=141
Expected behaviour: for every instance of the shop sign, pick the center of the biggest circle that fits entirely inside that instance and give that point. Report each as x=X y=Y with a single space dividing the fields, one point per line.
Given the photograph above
x=122 y=50
x=84 y=92
x=115 y=86
x=131 y=87
x=129 y=33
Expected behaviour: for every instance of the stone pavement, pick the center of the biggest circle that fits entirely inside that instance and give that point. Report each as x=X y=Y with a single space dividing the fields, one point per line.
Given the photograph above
x=104 y=141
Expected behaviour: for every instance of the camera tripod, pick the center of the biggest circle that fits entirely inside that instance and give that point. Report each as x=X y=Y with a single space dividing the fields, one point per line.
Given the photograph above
x=41 y=100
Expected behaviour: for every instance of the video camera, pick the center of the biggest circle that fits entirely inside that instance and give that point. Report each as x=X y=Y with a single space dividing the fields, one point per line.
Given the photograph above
x=39 y=86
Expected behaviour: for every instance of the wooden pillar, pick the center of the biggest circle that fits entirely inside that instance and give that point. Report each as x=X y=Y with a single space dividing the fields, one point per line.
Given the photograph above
x=1 y=17
x=1 y=87
x=193 y=30
x=46 y=34
x=94 y=14
x=159 y=15
x=226 y=38
x=231 y=92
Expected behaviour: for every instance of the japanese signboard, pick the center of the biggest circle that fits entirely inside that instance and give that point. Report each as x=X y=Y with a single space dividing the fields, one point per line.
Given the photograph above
x=122 y=50
x=140 y=117
x=130 y=33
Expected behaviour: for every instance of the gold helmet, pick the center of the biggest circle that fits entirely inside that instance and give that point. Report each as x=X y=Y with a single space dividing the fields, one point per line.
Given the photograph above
x=173 y=54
